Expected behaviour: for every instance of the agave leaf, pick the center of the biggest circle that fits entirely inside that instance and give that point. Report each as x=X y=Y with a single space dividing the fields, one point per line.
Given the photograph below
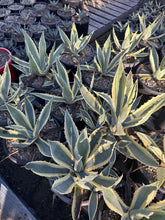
x=113 y=201
x=22 y=130
x=31 y=47
x=29 y=111
x=22 y=63
x=107 y=51
x=154 y=60
x=24 y=144
x=93 y=204
x=150 y=144
x=10 y=134
x=87 y=119
x=82 y=145
x=101 y=156
x=61 y=75
x=53 y=55
x=140 y=153
x=43 y=147
x=158 y=215
x=64 y=38
x=75 y=87
x=49 y=97
x=43 y=118
x=76 y=202
x=42 y=49
x=126 y=41
x=90 y=99
x=158 y=205
x=142 y=114
x=64 y=185
x=78 y=164
x=35 y=67
x=61 y=155
x=95 y=140
x=100 y=56
x=116 y=39
x=107 y=170
x=104 y=181
x=71 y=131
x=118 y=89
x=18 y=117
x=140 y=213
x=46 y=169
x=161 y=175
x=5 y=83
x=143 y=196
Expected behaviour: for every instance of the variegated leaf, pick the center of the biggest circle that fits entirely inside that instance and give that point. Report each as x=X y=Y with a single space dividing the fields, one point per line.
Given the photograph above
x=93 y=204
x=46 y=169
x=113 y=201
x=63 y=185
x=61 y=155
x=71 y=131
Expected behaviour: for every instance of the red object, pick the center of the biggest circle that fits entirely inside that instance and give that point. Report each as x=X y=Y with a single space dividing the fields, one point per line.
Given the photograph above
x=12 y=71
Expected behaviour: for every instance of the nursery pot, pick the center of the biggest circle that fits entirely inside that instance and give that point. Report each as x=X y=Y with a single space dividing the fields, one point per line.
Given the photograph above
x=89 y=55
x=143 y=86
x=4 y=56
x=82 y=26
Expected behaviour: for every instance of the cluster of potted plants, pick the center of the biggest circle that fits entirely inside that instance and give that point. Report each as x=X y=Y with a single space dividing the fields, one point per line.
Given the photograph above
x=37 y=16
x=80 y=119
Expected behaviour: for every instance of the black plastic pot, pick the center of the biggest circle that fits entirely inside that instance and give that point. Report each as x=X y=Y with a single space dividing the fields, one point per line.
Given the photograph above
x=66 y=16
x=82 y=26
x=54 y=8
x=96 y=88
x=73 y=67
x=142 y=88
x=51 y=24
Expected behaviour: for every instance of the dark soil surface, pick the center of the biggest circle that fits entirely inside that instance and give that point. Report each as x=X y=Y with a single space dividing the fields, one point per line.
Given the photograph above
x=34 y=191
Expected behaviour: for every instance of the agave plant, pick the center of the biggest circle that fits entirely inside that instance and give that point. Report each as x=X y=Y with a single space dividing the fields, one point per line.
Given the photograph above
x=121 y=112
x=39 y=62
x=75 y=165
x=103 y=62
x=148 y=32
x=123 y=103
x=75 y=44
x=157 y=70
x=26 y=127
x=128 y=45
x=69 y=92
x=141 y=206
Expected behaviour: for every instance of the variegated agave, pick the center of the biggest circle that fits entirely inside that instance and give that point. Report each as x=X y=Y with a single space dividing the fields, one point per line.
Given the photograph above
x=128 y=45
x=69 y=92
x=103 y=63
x=120 y=113
x=75 y=44
x=76 y=165
x=141 y=206
x=26 y=127
x=39 y=62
